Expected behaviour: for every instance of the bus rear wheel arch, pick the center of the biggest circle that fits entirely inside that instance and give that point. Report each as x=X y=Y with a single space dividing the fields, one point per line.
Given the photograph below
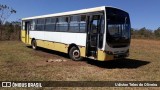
x=74 y=53
x=34 y=44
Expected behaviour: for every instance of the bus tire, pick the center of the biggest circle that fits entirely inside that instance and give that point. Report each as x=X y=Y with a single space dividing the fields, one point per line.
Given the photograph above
x=34 y=44
x=74 y=54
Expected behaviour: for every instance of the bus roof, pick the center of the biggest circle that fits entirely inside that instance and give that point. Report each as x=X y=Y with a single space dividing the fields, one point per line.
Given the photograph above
x=71 y=12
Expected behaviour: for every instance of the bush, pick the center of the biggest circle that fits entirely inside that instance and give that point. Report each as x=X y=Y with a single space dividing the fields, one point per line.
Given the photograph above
x=144 y=33
x=10 y=31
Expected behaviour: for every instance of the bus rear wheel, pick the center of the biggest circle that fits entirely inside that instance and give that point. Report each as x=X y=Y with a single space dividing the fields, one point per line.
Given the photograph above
x=74 y=54
x=34 y=44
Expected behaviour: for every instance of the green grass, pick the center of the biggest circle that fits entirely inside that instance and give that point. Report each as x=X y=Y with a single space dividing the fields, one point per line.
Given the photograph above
x=18 y=62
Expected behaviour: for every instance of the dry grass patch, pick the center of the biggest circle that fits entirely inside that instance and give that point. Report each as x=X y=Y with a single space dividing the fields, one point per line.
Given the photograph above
x=19 y=62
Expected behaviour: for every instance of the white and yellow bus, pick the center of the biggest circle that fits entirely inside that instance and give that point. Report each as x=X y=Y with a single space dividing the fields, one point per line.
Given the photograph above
x=100 y=33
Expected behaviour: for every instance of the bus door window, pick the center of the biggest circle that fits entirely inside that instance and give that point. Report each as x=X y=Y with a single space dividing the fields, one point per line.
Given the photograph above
x=94 y=30
x=101 y=31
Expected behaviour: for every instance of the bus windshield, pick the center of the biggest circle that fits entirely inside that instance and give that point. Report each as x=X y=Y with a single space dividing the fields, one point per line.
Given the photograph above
x=118 y=28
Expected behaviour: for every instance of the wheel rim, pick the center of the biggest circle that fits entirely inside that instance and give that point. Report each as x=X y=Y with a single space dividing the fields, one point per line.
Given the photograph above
x=76 y=53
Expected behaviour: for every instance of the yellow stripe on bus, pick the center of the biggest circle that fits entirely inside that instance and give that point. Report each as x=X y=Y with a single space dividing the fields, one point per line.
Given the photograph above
x=102 y=56
x=57 y=46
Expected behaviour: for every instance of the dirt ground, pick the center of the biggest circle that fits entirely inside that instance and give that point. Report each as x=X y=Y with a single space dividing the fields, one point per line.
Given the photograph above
x=18 y=62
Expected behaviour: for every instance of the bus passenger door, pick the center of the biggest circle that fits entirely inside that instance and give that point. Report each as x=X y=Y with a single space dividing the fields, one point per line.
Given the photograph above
x=27 y=28
x=92 y=35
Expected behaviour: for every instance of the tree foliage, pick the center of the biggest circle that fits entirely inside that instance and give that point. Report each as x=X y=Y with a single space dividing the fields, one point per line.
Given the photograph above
x=157 y=32
x=11 y=31
x=5 y=13
x=145 y=33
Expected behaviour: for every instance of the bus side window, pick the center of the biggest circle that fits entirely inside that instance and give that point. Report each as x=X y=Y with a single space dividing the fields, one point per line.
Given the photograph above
x=74 y=23
x=40 y=24
x=50 y=24
x=62 y=24
x=83 y=23
x=32 y=25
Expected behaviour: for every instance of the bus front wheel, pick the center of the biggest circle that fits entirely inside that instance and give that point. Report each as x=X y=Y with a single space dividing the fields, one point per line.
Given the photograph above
x=74 y=54
x=34 y=44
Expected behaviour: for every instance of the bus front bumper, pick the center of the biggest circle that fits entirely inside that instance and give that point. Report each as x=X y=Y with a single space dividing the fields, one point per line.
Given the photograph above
x=103 y=56
x=121 y=56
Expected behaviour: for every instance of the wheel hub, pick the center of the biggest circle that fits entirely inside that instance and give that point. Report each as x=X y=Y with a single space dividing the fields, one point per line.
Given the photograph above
x=76 y=53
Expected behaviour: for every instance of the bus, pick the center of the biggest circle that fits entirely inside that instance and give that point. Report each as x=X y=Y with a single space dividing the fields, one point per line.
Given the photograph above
x=100 y=33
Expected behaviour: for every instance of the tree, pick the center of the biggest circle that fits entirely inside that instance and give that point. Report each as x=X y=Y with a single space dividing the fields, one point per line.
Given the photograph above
x=146 y=33
x=5 y=13
x=142 y=33
x=132 y=31
x=9 y=29
x=157 y=32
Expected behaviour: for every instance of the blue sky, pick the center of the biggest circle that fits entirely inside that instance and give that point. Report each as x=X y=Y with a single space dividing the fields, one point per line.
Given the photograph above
x=143 y=13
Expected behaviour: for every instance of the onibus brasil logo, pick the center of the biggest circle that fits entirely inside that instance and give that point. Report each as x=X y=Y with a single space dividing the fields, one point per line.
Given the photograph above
x=21 y=84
